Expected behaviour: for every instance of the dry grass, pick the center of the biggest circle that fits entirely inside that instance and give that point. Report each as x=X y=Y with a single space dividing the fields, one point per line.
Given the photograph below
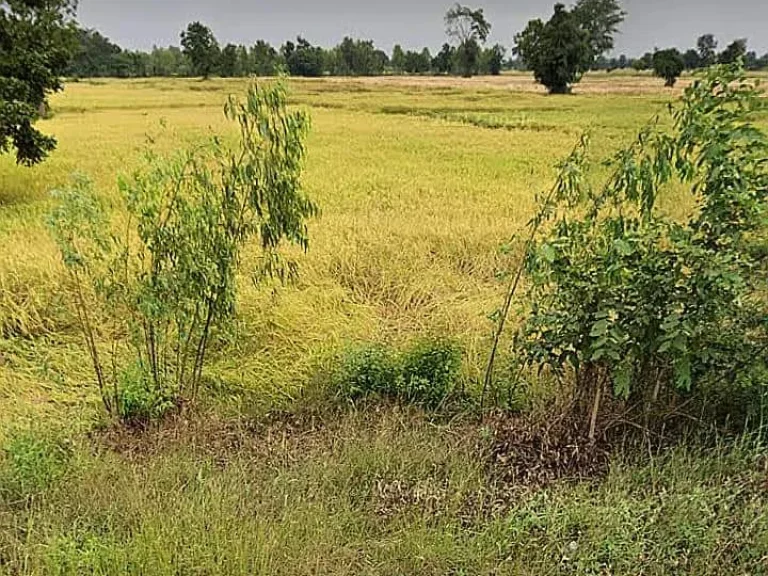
x=419 y=180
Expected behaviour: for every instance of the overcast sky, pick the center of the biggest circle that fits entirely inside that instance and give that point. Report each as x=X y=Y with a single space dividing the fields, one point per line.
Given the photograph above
x=412 y=23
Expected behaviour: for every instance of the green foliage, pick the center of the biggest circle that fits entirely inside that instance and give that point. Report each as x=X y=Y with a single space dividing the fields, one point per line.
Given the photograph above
x=429 y=370
x=167 y=278
x=707 y=46
x=303 y=59
x=601 y=19
x=367 y=370
x=201 y=47
x=32 y=460
x=558 y=52
x=469 y=29
x=357 y=58
x=668 y=64
x=492 y=60
x=423 y=374
x=621 y=292
x=734 y=52
x=36 y=42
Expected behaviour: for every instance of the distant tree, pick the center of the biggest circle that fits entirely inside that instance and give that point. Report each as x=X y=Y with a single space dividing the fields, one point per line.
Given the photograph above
x=469 y=29
x=442 y=63
x=358 y=58
x=692 y=60
x=601 y=20
x=733 y=52
x=200 y=46
x=418 y=62
x=707 y=46
x=645 y=62
x=558 y=52
x=228 y=61
x=37 y=39
x=398 y=59
x=264 y=59
x=244 y=65
x=492 y=60
x=668 y=64
x=94 y=57
x=303 y=59
x=168 y=62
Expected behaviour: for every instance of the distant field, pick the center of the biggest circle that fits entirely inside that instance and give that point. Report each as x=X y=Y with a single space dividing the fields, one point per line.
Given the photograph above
x=420 y=181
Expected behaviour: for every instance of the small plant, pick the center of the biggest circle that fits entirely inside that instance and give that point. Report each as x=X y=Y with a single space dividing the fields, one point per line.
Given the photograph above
x=423 y=374
x=368 y=370
x=33 y=461
x=430 y=368
x=151 y=288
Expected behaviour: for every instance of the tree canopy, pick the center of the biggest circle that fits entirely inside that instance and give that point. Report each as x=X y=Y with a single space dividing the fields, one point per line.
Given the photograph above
x=601 y=20
x=201 y=47
x=558 y=51
x=469 y=29
x=37 y=38
x=668 y=64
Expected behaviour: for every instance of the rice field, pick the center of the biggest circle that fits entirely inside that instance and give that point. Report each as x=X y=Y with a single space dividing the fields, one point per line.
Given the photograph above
x=419 y=181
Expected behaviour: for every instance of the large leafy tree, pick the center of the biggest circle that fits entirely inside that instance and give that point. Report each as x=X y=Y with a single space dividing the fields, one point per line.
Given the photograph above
x=469 y=29
x=201 y=47
x=558 y=51
x=37 y=38
x=668 y=64
x=601 y=20
x=707 y=45
x=734 y=51
x=303 y=59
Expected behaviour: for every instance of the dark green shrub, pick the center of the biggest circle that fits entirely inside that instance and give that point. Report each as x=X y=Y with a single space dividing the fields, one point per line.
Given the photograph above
x=137 y=401
x=423 y=374
x=633 y=301
x=367 y=370
x=429 y=370
x=32 y=461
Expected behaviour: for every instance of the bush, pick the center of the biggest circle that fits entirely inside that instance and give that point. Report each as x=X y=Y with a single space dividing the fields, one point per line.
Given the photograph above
x=429 y=370
x=367 y=370
x=137 y=401
x=647 y=306
x=168 y=280
x=423 y=374
x=33 y=461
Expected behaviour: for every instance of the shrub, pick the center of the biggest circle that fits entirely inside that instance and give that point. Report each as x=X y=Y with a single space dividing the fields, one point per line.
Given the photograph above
x=429 y=370
x=367 y=370
x=423 y=374
x=165 y=279
x=623 y=295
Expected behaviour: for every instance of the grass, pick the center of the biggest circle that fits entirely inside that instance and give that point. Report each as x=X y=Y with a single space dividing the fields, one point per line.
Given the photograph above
x=420 y=181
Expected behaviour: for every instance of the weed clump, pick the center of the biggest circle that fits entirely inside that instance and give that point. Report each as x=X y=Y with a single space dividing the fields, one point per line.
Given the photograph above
x=424 y=374
x=31 y=462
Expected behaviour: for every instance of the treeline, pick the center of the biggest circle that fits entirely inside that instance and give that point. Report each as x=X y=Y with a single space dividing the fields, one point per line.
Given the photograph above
x=557 y=51
x=97 y=56
x=705 y=54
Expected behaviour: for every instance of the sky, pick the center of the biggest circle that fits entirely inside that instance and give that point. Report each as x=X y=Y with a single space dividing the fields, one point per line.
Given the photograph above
x=140 y=24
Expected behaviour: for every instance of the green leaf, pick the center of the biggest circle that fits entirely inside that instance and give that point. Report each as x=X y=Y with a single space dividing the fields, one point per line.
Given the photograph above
x=622 y=377
x=599 y=328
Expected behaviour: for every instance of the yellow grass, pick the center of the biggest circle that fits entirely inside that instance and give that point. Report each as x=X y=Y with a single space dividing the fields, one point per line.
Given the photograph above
x=416 y=191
